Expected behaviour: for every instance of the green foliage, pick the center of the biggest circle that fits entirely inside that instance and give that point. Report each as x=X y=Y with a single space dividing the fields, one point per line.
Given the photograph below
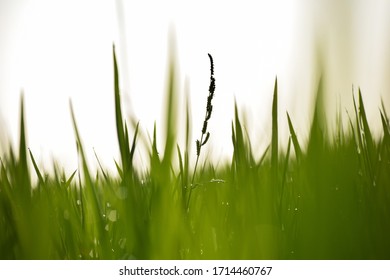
x=327 y=200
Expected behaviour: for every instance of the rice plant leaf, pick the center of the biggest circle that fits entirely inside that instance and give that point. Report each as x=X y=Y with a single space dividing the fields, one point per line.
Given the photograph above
x=67 y=183
x=366 y=128
x=171 y=113
x=238 y=139
x=123 y=145
x=294 y=138
x=40 y=178
x=133 y=145
x=181 y=165
x=385 y=125
x=23 y=172
x=119 y=169
x=274 y=145
x=100 y=166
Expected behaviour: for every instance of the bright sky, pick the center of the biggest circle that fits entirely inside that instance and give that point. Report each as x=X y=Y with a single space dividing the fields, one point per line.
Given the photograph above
x=60 y=50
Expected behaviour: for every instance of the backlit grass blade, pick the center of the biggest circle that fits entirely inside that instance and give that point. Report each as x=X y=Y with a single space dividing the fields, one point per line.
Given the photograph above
x=366 y=128
x=171 y=114
x=297 y=148
x=120 y=129
x=23 y=172
x=93 y=222
x=69 y=181
x=275 y=141
x=40 y=178
x=239 y=157
x=133 y=145
x=100 y=165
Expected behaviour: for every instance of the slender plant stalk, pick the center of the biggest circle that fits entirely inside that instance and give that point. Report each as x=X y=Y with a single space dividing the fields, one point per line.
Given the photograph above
x=205 y=134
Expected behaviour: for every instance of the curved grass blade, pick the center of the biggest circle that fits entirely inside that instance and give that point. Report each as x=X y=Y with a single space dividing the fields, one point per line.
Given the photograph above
x=294 y=139
x=40 y=178
x=274 y=143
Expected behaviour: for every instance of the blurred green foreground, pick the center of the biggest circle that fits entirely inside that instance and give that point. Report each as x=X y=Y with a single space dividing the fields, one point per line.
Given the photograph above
x=327 y=200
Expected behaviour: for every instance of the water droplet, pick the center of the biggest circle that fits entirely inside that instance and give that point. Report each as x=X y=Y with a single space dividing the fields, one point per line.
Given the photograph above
x=201 y=251
x=122 y=243
x=218 y=181
x=296 y=209
x=108 y=205
x=112 y=216
x=78 y=202
x=107 y=227
x=292 y=252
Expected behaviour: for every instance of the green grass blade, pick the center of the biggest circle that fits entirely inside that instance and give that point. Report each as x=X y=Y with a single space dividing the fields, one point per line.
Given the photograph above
x=69 y=181
x=171 y=115
x=275 y=141
x=23 y=172
x=297 y=147
x=120 y=129
x=100 y=166
x=40 y=177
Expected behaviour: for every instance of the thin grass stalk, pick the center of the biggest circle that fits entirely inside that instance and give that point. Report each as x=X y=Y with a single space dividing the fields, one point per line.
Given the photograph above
x=205 y=134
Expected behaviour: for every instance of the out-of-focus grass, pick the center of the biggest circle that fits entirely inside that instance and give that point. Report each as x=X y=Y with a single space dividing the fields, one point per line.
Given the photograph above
x=329 y=200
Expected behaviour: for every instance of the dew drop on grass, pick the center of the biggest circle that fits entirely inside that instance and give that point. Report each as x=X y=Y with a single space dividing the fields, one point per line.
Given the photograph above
x=218 y=181
x=296 y=209
x=107 y=227
x=108 y=205
x=122 y=243
x=78 y=202
x=112 y=216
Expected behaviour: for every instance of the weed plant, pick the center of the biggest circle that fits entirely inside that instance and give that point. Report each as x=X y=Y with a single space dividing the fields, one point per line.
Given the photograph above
x=327 y=200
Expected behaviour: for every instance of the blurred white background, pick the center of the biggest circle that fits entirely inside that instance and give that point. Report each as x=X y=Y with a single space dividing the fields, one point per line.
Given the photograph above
x=54 y=51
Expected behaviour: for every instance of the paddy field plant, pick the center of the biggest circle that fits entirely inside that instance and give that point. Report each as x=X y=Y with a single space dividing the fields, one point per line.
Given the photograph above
x=326 y=199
